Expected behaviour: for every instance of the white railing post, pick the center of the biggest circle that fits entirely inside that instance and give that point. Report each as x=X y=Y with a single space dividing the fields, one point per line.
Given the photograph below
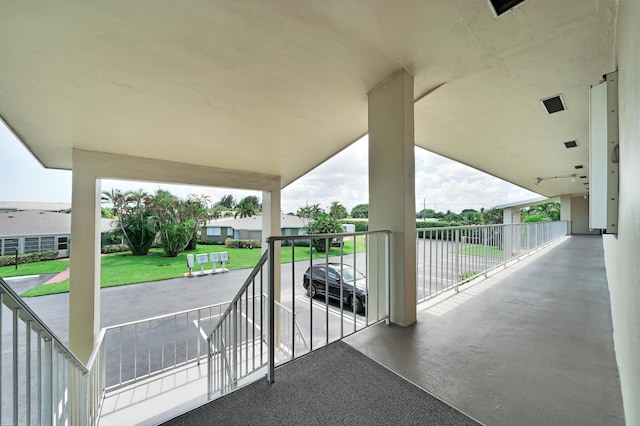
x=457 y=257
x=47 y=382
x=28 y=372
x=234 y=345
x=209 y=369
x=387 y=258
x=15 y=366
x=271 y=310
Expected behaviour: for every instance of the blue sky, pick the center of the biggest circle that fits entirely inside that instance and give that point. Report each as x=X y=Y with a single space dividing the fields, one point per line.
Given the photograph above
x=441 y=184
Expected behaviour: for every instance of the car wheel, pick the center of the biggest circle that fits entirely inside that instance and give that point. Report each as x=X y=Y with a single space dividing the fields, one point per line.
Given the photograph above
x=311 y=290
x=356 y=305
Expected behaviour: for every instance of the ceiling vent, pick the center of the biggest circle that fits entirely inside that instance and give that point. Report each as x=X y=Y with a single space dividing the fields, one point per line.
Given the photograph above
x=553 y=104
x=501 y=7
x=571 y=144
x=579 y=166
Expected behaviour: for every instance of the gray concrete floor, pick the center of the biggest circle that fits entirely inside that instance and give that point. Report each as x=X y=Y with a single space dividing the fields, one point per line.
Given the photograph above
x=530 y=345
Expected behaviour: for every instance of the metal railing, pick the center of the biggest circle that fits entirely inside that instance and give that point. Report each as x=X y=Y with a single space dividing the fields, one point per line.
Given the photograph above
x=292 y=340
x=141 y=349
x=236 y=345
x=333 y=315
x=273 y=320
x=41 y=381
x=451 y=256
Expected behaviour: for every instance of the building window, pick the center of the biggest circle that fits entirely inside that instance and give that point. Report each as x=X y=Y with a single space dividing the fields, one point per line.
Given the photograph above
x=213 y=232
x=47 y=244
x=63 y=243
x=229 y=232
x=31 y=244
x=10 y=246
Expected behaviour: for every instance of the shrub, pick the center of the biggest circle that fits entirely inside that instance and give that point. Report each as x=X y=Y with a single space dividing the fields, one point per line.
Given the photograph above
x=323 y=224
x=467 y=276
x=114 y=248
x=28 y=258
x=361 y=225
x=210 y=243
x=231 y=243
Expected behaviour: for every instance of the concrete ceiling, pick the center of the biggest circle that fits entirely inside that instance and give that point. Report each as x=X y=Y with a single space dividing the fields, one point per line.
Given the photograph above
x=277 y=87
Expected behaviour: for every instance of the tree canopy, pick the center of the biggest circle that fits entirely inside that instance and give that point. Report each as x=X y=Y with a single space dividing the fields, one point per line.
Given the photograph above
x=547 y=212
x=324 y=223
x=142 y=218
x=338 y=211
x=134 y=214
x=248 y=206
x=360 y=211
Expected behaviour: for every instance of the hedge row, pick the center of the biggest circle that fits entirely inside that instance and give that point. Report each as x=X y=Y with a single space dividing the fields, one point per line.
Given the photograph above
x=231 y=243
x=361 y=225
x=28 y=258
x=209 y=243
x=114 y=248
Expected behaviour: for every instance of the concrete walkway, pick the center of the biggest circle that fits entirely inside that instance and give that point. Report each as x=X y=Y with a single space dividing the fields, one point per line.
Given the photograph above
x=531 y=345
x=59 y=277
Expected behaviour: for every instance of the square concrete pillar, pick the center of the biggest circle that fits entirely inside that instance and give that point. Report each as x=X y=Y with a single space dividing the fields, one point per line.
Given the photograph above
x=392 y=187
x=565 y=211
x=270 y=227
x=84 y=287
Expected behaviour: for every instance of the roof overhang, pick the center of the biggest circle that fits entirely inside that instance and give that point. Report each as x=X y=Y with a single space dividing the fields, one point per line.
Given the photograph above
x=275 y=88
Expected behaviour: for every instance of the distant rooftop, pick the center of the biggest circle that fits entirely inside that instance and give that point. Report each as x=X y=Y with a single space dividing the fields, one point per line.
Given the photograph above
x=254 y=223
x=34 y=222
x=14 y=206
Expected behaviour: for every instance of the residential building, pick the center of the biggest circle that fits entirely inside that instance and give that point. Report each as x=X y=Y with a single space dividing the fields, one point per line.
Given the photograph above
x=247 y=228
x=31 y=231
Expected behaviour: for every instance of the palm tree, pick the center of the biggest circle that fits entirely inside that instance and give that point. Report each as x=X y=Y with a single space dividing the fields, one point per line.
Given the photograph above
x=337 y=210
x=245 y=208
x=134 y=217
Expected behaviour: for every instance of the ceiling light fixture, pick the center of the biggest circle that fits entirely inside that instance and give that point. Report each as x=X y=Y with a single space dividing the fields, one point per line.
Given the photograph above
x=540 y=179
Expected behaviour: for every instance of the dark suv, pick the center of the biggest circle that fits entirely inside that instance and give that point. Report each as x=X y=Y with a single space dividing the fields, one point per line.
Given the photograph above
x=315 y=279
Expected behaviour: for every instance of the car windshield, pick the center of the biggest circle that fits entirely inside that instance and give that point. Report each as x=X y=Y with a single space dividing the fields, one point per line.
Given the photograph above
x=349 y=273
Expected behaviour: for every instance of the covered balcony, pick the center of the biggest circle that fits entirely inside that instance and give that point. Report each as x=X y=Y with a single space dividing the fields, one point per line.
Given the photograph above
x=532 y=344
x=254 y=95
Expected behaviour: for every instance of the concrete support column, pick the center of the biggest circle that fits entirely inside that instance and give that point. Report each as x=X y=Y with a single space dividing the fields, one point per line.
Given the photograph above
x=510 y=215
x=515 y=216
x=507 y=217
x=270 y=227
x=565 y=211
x=392 y=186
x=84 y=287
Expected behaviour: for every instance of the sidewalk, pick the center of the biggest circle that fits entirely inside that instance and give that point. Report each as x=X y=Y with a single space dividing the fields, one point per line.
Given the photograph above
x=59 y=277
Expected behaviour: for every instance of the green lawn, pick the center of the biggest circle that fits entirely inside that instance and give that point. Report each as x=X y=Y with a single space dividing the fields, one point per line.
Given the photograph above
x=479 y=251
x=37 y=268
x=122 y=268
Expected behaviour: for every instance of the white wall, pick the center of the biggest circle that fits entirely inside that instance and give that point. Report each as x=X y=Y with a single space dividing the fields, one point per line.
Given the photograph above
x=622 y=255
x=580 y=216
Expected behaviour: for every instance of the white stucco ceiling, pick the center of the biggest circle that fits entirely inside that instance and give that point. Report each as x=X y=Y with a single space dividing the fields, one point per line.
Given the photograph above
x=277 y=87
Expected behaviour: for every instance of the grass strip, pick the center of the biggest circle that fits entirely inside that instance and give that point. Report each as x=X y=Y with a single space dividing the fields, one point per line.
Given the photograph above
x=119 y=269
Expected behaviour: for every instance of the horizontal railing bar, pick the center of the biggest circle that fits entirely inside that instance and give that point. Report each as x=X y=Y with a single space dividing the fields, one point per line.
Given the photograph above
x=96 y=349
x=159 y=317
x=320 y=236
